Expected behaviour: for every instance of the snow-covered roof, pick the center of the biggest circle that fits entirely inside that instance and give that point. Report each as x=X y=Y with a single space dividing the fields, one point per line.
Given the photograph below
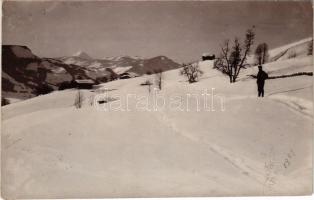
x=207 y=54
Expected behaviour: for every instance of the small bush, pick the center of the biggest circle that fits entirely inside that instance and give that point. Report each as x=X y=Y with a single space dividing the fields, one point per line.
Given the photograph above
x=192 y=72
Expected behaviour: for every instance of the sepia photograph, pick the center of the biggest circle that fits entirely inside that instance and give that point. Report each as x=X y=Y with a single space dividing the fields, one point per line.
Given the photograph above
x=156 y=99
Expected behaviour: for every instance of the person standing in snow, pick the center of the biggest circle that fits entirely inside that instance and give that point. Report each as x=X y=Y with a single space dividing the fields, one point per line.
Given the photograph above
x=261 y=77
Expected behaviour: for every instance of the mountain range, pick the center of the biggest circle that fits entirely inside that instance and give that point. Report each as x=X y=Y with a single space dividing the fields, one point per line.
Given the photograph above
x=23 y=71
x=120 y=64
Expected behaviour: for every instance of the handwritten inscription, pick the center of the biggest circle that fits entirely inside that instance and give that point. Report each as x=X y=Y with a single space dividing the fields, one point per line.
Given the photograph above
x=274 y=166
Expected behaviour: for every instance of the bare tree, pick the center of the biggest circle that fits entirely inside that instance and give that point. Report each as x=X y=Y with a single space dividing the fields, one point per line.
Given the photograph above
x=158 y=75
x=261 y=53
x=191 y=71
x=233 y=59
x=78 y=100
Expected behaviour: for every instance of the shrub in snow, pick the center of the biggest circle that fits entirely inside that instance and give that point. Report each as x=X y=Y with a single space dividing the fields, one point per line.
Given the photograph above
x=191 y=71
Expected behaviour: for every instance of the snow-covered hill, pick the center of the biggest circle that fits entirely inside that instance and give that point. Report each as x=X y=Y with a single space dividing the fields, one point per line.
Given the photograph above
x=243 y=145
x=296 y=49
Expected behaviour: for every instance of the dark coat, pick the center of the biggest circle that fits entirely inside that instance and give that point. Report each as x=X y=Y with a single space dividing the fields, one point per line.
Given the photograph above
x=261 y=77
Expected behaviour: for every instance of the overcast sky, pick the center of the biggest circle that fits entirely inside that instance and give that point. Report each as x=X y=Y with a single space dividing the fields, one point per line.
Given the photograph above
x=179 y=30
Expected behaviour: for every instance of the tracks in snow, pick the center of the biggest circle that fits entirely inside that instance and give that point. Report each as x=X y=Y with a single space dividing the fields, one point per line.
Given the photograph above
x=235 y=160
x=245 y=165
x=298 y=105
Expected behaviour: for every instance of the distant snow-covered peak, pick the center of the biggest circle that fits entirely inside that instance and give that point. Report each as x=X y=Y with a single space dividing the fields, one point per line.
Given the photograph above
x=83 y=55
x=113 y=58
x=117 y=58
x=135 y=57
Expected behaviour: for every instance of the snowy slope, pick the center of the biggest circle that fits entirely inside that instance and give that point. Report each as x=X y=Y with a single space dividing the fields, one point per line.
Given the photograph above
x=120 y=70
x=297 y=49
x=251 y=147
